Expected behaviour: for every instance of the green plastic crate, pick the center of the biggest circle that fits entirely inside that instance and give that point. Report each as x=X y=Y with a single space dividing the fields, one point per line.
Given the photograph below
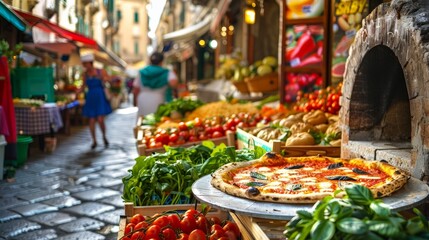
x=31 y=82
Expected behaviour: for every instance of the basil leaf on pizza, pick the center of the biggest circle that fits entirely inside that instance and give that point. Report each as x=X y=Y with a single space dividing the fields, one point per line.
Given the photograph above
x=274 y=178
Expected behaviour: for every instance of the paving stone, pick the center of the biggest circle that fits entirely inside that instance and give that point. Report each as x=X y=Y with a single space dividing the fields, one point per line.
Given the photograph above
x=43 y=234
x=95 y=194
x=43 y=169
x=62 y=202
x=116 y=201
x=119 y=188
x=52 y=218
x=81 y=224
x=116 y=173
x=43 y=195
x=6 y=215
x=111 y=217
x=83 y=236
x=18 y=226
x=90 y=209
x=90 y=170
x=9 y=202
x=76 y=188
x=105 y=182
x=33 y=209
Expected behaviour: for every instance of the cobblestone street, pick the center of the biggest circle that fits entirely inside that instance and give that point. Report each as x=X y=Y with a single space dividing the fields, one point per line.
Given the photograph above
x=74 y=192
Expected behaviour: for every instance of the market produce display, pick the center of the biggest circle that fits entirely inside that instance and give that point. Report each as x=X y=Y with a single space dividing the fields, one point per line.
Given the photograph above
x=274 y=178
x=298 y=9
x=327 y=100
x=172 y=225
x=172 y=133
x=27 y=102
x=175 y=110
x=312 y=128
x=357 y=216
x=166 y=178
x=222 y=108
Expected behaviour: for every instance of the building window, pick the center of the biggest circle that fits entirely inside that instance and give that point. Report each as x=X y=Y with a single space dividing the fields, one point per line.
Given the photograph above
x=136 y=48
x=136 y=16
x=116 y=46
x=118 y=15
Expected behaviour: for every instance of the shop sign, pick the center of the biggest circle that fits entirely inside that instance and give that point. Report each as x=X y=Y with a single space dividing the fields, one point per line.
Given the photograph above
x=348 y=15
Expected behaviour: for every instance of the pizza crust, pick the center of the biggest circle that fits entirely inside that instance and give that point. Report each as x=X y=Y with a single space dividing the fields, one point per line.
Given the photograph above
x=222 y=177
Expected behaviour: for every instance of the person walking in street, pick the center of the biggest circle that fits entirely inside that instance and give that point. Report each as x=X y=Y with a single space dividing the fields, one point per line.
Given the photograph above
x=153 y=85
x=96 y=104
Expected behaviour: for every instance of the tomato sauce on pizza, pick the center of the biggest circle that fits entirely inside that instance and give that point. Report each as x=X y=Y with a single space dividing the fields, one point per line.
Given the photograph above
x=305 y=179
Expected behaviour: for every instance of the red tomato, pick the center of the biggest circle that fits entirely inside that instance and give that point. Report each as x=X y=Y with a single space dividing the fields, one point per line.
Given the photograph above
x=173 y=137
x=217 y=234
x=125 y=238
x=174 y=221
x=202 y=136
x=192 y=212
x=232 y=226
x=153 y=231
x=184 y=135
x=168 y=234
x=215 y=220
x=183 y=236
x=231 y=235
x=198 y=122
x=203 y=224
x=217 y=134
x=188 y=224
x=141 y=225
x=129 y=228
x=137 y=235
x=182 y=126
x=161 y=221
x=193 y=138
x=216 y=227
x=197 y=234
x=137 y=218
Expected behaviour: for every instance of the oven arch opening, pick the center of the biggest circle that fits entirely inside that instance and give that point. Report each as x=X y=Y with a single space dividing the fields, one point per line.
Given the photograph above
x=380 y=106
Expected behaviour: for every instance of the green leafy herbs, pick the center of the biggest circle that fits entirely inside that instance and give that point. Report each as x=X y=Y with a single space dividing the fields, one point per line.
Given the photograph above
x=178 y=106
x=166 y=178
x=356 y=216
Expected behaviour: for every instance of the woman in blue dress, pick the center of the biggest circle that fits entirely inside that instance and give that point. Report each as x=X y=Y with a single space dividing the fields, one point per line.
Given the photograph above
x=96 y=104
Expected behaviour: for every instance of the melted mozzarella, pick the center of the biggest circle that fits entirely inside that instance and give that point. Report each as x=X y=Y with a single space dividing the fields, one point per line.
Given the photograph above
x=368 y=177
x=325 y=185
x=308 y=169
x=264 y=169
x=309 y=179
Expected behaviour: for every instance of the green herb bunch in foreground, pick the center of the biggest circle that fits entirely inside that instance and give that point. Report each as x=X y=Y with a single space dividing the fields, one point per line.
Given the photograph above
x=167 y=178
x=356 y=216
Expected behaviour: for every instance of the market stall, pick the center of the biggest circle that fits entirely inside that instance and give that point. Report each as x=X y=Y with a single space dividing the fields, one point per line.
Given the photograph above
x=43 y=121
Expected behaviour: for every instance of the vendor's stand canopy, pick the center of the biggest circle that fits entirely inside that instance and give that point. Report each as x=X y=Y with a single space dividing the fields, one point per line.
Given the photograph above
x=68 y=42
x=10 y=16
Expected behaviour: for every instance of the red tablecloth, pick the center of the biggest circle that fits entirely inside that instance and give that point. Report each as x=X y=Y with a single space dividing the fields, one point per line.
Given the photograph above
x=6 y=100
x=4 y=129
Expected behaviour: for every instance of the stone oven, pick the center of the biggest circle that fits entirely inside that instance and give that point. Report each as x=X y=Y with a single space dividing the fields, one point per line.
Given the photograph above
x=385 y=103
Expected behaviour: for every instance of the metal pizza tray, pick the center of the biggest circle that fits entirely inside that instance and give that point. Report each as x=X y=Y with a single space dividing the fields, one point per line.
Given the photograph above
x=409 y=196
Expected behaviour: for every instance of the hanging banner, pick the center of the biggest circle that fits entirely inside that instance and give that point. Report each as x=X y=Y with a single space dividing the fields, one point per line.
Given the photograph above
x=348 y=15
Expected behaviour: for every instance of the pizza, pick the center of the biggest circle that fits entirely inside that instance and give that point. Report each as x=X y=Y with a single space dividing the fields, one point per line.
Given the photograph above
x=274 y=178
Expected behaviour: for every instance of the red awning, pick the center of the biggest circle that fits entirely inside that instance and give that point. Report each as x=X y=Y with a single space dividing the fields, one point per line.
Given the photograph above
x=45 y=25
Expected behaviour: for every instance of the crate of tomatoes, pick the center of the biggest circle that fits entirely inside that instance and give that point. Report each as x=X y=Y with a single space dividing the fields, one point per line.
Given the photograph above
x=182 y=221
x=217 y=129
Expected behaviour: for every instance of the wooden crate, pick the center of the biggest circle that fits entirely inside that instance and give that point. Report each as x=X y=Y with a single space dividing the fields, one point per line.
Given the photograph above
x=247 y=140
x=253 y=228
x=229 y=140
x=131 y=210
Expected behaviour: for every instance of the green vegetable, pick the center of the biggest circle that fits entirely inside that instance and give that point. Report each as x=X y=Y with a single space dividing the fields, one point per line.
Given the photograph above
x=356 y=216
x=166 y=178
x=258 y=176
x=179 y=105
